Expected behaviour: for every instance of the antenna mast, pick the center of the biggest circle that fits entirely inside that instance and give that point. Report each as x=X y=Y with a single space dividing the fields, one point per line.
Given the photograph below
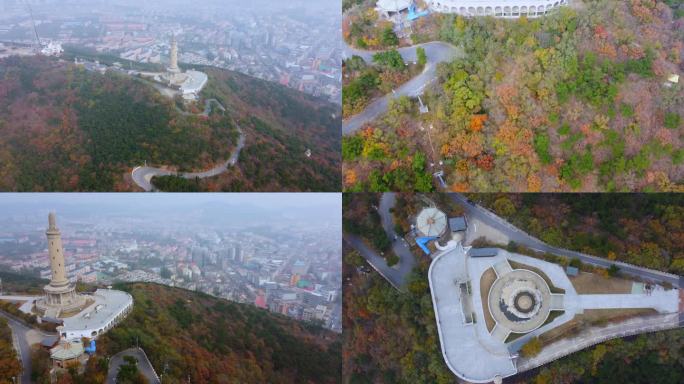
x=33 y=22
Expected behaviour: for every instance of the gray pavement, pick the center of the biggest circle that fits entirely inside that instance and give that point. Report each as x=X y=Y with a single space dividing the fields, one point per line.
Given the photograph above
x=144 y=365
x=522 y=238
x=19 y=333
x=595 y=335
x=436 y=53
x=142 y=175
x=397 y=274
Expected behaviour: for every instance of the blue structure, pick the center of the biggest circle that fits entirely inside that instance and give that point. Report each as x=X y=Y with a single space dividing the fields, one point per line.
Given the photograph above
x=90 y=349
x=413 y=15
x=423 y=241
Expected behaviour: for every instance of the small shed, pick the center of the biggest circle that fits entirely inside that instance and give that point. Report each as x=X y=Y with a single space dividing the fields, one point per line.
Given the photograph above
x=67 y=353
x=431 y=222
x=571 y=271
x=458 y=224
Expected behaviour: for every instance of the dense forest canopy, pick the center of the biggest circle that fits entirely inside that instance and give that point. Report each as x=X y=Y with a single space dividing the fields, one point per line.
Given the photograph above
x=641 y=229
x=281 y=124
x=193 y=336
x=65 y=128
x=391 y=336
x=577 y=100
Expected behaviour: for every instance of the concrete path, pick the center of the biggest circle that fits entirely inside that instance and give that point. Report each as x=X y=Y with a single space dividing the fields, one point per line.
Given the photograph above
x=436 y=52
x=595 y=335
x=468 y=349
x=520 y=237
x=660 y=300
x=21 y=344
x=144 y=365
x=142 y=175
x=398 y=273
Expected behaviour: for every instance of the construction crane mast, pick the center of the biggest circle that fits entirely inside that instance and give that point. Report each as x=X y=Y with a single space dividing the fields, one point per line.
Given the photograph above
x=35 y=30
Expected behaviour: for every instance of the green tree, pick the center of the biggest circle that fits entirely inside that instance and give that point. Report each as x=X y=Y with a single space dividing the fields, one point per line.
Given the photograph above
x=391 y=259
x=391 y=59
x=613 y=270
x=504 y=206
x=421 y=56
x=531 y=348
x=388 y=37
x=352 y=147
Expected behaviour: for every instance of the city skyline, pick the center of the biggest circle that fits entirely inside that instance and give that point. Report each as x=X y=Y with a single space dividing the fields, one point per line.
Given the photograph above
x=284 y=258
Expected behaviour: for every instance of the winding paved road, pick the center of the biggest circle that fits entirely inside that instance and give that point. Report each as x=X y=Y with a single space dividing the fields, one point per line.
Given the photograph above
x=397 y=274
x=19 y=333
x=436 y=52
x=142 y=175
x=522 y=238
x=144 y=365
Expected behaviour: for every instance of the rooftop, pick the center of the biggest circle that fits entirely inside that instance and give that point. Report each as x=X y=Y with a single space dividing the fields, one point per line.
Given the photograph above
x=457 y=224
x=393 y=5
x=67 y=351
x=431 y=222
x=106 y=306
x=194 y=82
x=519 y=301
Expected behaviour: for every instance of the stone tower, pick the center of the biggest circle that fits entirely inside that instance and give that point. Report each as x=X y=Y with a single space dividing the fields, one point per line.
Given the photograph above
x=56 y=253
x=173 y=64
x=60 y=295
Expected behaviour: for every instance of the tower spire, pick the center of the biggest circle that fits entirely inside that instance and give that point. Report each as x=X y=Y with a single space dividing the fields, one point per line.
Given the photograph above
x=56 y=253
x=173 y=60
x=60 y=295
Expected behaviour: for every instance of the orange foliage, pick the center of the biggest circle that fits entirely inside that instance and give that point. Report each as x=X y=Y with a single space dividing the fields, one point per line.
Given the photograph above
x=469 y=144
x=350 y=177
x=534 y=183
x=460 y=187
x=485 y=161
x=462 y=167
x=477 y=122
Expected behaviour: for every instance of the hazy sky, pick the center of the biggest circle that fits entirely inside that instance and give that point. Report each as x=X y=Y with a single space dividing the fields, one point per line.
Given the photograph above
x=265 y=200
x=229 y=208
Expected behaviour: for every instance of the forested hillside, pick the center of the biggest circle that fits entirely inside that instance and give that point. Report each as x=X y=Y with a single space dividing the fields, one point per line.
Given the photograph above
x=204 y=339
x=390 y=337
x=641 y=229
x=10 y=366
x=210 y=339
x=281 y=124
x=64 y=129
x=581 y=99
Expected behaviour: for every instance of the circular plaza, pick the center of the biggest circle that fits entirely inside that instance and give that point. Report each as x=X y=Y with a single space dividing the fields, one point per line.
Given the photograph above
x=520 y=301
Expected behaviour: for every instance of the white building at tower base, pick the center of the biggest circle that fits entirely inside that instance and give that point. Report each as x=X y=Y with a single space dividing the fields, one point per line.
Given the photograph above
x=496 y=8
x=109 y=307
x=469 y=8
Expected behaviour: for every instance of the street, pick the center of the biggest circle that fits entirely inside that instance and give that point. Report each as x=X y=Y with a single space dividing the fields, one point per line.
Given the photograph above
x=19 y=332
x=436 y=52
x=144 y=365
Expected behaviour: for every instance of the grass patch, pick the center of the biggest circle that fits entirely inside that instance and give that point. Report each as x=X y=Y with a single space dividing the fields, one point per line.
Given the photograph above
x=486 y=281
x=592 y=317
x=590 y=283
